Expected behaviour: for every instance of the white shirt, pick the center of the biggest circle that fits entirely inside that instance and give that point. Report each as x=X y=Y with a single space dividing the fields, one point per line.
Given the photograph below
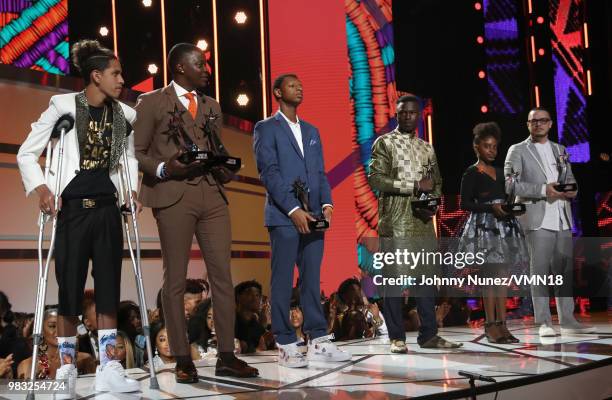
x=180 y=92
x=295 y=129
x=297 y=133
x=554 y=216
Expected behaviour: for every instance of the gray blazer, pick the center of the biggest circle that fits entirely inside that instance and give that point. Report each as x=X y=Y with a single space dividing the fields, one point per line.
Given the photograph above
x=523 y=158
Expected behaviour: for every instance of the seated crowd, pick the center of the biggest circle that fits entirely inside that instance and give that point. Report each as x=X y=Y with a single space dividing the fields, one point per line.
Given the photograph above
x=349 y=312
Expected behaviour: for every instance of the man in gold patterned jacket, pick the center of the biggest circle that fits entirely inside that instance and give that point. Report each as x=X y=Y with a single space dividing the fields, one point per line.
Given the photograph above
x=402 y=168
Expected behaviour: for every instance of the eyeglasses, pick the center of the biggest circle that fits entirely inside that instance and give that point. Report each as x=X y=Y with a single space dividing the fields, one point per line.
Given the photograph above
x=540 y=121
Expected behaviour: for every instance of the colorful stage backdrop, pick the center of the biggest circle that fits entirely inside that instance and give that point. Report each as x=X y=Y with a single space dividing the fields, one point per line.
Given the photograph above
x=34 y=34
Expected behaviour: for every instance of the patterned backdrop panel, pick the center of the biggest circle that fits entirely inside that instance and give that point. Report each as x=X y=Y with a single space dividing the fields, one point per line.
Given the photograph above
x=566 y=22
x=34 y=35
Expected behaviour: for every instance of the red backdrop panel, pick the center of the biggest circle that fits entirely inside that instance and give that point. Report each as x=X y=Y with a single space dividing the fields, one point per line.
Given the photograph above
x=308 y=38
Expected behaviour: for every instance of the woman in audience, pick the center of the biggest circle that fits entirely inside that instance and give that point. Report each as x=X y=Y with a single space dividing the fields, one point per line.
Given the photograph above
x=161 y=345
x=297 y=321
x=201 y=330
x=129 y=321
x=48 y=355
x=124 y=351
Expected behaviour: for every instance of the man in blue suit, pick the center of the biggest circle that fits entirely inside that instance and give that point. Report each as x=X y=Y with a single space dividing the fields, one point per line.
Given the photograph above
x=287 y=150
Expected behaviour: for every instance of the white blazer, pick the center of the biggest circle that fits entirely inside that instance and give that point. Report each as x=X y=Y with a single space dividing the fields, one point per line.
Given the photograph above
x=31 y=149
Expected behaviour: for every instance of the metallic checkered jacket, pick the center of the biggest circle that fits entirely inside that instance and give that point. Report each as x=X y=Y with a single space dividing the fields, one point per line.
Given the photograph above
x=397 y=164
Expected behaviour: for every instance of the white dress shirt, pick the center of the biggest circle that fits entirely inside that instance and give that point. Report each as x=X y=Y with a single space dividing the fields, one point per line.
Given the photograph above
x=180 y=92
x=296 y=130
x=554 y=216
x=297 y=133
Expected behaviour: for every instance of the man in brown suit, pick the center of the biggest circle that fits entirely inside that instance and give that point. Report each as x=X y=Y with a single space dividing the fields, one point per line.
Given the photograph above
x=188 y=199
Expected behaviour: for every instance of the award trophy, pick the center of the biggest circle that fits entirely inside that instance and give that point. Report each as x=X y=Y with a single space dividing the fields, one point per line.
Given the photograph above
x=193 y=153
x=425 y=200
x=562 y=186
x=176 y=133
x=510 y=206
x=220 y=157
x=301 y=192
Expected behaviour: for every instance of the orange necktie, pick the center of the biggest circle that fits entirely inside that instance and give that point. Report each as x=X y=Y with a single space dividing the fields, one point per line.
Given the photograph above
x=193 y=106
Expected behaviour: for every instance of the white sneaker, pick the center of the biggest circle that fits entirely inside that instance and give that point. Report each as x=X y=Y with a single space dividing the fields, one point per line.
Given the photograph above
x=289 y=355
x=69 y=373
x=547 y=331
x=322 y=349
x=398 y=347
x=112 y=378
x=578 y=329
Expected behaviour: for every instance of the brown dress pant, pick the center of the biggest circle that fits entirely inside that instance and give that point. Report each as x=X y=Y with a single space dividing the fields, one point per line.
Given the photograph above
x=201 y=211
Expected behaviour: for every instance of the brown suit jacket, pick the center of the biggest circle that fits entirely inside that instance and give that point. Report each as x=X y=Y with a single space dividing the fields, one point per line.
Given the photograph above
x=154 y=145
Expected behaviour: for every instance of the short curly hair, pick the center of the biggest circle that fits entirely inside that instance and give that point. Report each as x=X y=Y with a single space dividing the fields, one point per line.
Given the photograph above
x=485 y=130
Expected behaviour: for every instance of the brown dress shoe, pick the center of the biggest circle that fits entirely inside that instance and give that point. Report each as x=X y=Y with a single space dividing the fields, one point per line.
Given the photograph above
x=235 y=367
x=186 y=373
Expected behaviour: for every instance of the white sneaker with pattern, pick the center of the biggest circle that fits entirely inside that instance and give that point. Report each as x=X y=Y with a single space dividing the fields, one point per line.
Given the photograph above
x=289 y=355
x=322 y=349
x=69 y=373
x=112 y=378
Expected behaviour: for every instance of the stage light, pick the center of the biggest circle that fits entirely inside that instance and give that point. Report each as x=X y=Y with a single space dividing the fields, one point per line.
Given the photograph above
x=202 y=44
x=240 y=17
x=480 y=40
x=262 y=38
x=242 y=100
x=541 y=52
x=484 y=109
x=103 y=31
x=540 y=20
x=215 y=49
x=477 y=6
x=481 y=74
x=589 y=87
x=152 y=68
x=147 y=3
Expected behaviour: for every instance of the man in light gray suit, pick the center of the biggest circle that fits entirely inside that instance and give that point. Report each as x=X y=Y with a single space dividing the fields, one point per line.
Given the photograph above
x=547 y=221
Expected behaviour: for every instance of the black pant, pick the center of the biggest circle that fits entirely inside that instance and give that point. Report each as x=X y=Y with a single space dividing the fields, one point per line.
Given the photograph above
x=84 y=234
x=426 y=304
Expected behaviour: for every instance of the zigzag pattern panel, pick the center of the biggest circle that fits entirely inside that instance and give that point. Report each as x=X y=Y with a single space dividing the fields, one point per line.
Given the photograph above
x=34 y=35
x=566 y=21
x=502 y=50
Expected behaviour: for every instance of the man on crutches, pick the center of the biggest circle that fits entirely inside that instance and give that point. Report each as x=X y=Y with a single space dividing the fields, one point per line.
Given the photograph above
x=88 y=218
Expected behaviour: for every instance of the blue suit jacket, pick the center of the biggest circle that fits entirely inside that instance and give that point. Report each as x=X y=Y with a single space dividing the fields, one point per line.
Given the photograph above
x=280 y=163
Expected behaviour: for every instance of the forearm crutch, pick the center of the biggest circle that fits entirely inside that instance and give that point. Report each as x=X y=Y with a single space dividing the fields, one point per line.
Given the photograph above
x=43 y=266
x=126 y=192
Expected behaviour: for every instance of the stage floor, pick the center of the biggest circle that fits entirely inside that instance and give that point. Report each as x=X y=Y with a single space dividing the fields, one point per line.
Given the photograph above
x=373 y=373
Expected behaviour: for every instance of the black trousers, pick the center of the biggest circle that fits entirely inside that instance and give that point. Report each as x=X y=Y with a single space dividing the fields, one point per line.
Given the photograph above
x=82 y=235
x=426 y=307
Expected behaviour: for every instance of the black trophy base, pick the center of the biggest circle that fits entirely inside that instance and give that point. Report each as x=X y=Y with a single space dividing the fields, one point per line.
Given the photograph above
x=231 y=163
x=319 y=225
x=514 y=208
x=198 y=155
x=429 y=204
x=566 y=187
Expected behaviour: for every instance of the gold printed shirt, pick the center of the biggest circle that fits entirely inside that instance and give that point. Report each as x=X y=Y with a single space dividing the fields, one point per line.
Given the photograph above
x=398 y=162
